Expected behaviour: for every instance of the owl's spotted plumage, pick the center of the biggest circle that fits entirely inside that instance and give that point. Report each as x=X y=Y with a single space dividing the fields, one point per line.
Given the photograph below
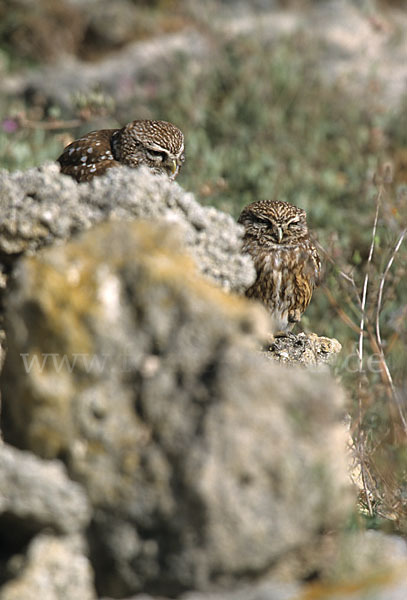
x=157 y=144
x=286 y=260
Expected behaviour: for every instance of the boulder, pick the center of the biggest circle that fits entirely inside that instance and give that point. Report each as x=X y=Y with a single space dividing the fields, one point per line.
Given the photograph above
x=54 y=568
x=37 y=494
x=39 y=207
x=205 y=463
x=306 y=350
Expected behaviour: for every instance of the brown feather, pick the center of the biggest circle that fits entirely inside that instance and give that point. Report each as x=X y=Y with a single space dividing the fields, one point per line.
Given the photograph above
x=287 y=262
x=157 y=144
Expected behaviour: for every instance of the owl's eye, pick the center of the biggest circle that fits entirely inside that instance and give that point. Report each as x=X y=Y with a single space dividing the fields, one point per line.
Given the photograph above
x=157 y=154
x=261 y=221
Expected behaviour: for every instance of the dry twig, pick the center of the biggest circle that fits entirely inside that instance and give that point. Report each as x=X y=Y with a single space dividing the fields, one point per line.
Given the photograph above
x=385 y=367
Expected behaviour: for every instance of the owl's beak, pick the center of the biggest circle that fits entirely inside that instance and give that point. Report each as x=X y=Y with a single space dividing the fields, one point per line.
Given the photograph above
x=280 y=234
x=173 y=166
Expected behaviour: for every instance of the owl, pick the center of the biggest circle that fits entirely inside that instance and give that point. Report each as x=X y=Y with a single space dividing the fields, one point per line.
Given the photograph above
x=286 y=260
x=157 y=144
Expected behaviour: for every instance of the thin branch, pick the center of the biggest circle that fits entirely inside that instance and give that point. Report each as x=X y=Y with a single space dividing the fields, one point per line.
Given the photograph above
x=384 y=364
x=342 y=314
x=347 y=277
x=360 y=434
x=393 y=339
x=364 y=482
x=366 y=281
x=381 y=286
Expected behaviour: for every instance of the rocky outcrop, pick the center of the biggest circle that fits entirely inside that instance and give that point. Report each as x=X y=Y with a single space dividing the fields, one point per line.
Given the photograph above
x=360 y=46
x=194 y=450
x=53 y=568
x=43 y=516
x=39 y=207
x=164 y=454
x=307 y=350
x=39 y=496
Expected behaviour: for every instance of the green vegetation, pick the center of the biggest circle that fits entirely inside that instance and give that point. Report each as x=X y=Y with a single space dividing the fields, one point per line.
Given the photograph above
x=262 y=124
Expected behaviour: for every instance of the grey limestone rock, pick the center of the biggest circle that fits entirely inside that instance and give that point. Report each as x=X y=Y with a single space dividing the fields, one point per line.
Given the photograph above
x=205 y=463
x=356 y=49
x=387 y=584
x=35 y=495
x=40 y=206
x=119 y=75
x=266 y=590
x=55 y=568
x=307 y=350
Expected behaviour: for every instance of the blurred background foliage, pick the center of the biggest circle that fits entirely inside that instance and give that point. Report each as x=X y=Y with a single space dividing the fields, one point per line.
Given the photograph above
x=260 y=122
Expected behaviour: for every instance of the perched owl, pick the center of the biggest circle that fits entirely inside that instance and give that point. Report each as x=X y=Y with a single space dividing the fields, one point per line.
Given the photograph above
x=286 y=260
x=157 y=144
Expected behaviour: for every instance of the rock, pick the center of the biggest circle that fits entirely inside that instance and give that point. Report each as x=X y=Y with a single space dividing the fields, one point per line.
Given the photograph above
x=127 y=22
x=268 y=590
x=55 y=569
x=303 y=349
x=206 y=464
x=121 y=75
x=357 y=47
x=40 y=206
x=381 y=584
x=35 y=495
x=387 y=582
x=363 y=553
x=360 y=46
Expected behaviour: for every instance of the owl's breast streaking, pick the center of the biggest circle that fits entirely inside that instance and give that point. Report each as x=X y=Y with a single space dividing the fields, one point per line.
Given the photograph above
x=286 y=260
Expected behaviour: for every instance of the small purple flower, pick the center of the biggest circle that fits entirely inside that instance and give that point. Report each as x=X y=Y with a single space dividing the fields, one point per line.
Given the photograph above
x=9 y=125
